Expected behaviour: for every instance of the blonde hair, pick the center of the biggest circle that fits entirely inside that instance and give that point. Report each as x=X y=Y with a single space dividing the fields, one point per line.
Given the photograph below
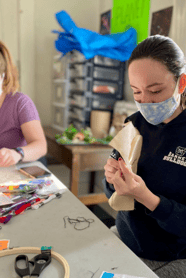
x=11 y=77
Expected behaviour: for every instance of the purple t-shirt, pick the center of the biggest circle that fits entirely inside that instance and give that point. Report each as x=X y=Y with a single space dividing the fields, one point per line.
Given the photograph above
x=15 y=111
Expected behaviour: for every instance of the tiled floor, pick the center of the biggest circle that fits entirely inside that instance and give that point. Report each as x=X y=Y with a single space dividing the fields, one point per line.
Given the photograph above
x=63 y=174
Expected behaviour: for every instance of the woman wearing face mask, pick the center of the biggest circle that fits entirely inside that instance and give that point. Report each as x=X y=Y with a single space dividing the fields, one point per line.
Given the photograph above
x=156 y=229
x=21 y=135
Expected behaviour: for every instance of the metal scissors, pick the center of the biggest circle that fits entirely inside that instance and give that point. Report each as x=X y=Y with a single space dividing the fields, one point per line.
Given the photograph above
x=39 y=262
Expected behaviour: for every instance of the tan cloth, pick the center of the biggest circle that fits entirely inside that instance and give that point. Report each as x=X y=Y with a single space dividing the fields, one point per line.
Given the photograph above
x=128 y=142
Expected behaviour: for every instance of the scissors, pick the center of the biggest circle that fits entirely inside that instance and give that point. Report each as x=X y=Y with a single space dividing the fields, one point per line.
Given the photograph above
x=39 y=262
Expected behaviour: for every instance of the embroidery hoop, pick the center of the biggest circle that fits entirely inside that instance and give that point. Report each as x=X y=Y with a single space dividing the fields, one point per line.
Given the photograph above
x=36 y=250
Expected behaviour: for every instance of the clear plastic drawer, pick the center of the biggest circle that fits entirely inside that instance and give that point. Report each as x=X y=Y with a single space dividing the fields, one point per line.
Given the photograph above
x=76 y=124
x=105 y=87
x=74 y=72
x=77 y=57
x=79 y=113
x=81 y=70
x=60 y=67
x=103 y=103
x=78 y=100
x=100 y=60
x=58 y=115
x=59 y=93
x=104 y=73
x=81 y=84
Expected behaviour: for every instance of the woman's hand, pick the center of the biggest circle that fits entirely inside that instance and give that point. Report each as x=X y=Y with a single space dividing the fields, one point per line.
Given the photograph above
x=127 y=183
x=111 y=168
x=8 y=157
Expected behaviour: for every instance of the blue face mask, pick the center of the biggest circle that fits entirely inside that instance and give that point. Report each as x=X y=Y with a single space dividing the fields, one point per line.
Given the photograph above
x=156 y=113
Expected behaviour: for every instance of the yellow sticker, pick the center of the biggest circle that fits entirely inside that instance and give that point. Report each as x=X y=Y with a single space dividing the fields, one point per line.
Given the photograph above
x=11 y=187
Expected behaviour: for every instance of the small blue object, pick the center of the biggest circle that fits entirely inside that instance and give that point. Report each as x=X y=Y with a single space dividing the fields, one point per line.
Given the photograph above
x=37 y=181
x=117 y=46
x=107 y=275
x=46 y=247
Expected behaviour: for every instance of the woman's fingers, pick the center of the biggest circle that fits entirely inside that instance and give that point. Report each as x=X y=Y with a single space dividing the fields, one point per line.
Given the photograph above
x=128 y=184
x=6 y=158
x=113 y=163
x=119 y=183
x=6 y=161
x=110 y=169
x=126 y=172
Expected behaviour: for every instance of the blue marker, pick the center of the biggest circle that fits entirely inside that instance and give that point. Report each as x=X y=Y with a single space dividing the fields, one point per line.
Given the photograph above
x=107 y=275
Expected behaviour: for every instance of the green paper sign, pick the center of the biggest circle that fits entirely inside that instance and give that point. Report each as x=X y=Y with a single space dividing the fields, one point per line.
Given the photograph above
x=131 y=13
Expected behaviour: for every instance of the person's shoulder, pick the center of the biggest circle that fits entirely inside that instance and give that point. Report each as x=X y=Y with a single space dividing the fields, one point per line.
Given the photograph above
x=25 y=107
x=20 y=95
x=137 y=120
x=20 y=98
x=134 y=117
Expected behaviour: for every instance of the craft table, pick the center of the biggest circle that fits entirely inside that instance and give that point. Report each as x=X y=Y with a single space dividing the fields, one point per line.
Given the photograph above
x=79 y=158
x=93 y=250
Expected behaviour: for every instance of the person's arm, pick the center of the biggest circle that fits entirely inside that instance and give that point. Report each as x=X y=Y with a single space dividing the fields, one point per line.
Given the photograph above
x=170 y=215
x=26 y=119
x=149 y=199
x=36 y=143
x=36 y=148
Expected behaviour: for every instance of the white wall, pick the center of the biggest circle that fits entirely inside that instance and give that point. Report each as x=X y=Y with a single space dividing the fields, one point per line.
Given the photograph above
x=9 y=26
x=84 y=13
x=105 y=5
x=17 y=32
x=27 y=48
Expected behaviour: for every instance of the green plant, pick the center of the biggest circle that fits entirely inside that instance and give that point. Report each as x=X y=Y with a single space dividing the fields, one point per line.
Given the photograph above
x=71 y=131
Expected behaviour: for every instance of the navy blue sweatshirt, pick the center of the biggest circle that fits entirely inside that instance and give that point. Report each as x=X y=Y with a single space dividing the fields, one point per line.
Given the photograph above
x=161 y=234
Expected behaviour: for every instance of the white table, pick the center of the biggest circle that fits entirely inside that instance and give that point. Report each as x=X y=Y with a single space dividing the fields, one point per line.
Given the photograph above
x=86 y=251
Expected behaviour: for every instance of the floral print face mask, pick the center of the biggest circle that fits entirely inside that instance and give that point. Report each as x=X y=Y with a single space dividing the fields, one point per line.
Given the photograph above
x=156 y=113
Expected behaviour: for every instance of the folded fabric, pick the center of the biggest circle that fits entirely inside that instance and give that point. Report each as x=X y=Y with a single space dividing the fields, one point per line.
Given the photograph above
x=128 y=142
x=117 y=46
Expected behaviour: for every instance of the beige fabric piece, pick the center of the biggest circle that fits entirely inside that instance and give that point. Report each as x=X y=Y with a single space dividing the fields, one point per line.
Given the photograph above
x=128 y=142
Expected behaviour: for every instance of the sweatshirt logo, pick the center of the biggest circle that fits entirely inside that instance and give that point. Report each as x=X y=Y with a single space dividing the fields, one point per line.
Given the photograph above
x=178 y=157
x=180 y=151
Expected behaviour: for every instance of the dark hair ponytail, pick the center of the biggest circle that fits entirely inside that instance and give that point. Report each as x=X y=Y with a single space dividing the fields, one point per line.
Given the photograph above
x=162 y=49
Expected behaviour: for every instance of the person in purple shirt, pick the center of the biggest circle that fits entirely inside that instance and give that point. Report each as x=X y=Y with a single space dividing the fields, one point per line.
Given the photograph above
x=21 y=134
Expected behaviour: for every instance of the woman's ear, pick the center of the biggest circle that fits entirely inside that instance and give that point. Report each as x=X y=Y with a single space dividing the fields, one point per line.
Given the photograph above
x=182 y=83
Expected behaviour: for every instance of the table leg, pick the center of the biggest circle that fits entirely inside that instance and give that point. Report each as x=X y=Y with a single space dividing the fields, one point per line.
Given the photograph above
x=92 y=181
x=74 y=175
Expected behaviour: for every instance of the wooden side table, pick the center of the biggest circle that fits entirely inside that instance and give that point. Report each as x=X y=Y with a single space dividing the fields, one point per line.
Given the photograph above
x=79 y=158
